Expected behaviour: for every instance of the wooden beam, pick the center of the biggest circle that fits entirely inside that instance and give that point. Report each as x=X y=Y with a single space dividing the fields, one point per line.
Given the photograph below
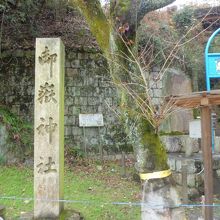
x=207 y=160
x=196 y=99
x=204 y=101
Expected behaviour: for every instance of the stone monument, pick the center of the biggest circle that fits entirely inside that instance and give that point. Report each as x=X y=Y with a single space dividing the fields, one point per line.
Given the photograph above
x=49 y=128
x=176 y=82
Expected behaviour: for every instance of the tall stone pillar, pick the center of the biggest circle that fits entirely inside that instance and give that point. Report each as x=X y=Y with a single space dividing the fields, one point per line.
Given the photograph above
x=49 y=128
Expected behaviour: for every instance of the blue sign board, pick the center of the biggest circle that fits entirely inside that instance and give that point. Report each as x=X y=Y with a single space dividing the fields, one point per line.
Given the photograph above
x=212 y=61
x=213 y=65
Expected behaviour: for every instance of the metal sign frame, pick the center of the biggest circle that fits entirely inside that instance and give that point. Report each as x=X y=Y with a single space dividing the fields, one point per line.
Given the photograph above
x=212 y=62
x=212 y=65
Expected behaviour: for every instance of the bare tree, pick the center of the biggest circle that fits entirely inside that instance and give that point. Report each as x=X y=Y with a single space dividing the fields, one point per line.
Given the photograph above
x=116 y=36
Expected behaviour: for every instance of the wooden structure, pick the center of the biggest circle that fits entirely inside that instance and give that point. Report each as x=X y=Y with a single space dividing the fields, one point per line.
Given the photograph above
x=203 y=100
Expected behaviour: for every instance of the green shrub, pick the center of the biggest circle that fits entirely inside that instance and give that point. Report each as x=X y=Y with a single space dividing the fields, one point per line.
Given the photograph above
x=184 y=18
x=20 y=139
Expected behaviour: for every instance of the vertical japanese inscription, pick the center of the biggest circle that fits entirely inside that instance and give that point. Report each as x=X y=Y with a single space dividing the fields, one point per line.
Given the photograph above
x=49 y=127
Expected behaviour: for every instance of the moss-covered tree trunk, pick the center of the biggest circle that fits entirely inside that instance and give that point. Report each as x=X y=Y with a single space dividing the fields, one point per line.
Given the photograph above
x=151 y=155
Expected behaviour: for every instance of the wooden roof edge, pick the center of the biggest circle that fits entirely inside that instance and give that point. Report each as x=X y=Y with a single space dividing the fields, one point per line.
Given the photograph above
x=194 y=94
x=196 y=99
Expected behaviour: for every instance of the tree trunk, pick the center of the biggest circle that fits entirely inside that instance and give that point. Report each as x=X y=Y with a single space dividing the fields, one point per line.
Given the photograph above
x=160 y=197
x=151 y=155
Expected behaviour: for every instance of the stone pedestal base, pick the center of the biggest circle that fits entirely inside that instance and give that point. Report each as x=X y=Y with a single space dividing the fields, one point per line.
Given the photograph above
x=2 y=211
x=66 y=215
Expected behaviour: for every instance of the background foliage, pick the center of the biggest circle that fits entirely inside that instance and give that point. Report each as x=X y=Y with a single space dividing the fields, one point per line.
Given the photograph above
x=20 y=135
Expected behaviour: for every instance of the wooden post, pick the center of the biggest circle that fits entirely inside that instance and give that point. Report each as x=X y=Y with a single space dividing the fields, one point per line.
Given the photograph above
x=100 y=147
x=84 y=137
x=207 y=160
x=205 y=99
x=123 y=165
x=184 y=184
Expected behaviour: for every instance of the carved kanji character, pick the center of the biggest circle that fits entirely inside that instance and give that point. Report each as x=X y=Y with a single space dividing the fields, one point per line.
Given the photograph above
x=50 y=166
x=46 y=57
x=46 y=93
x=48 y=128
x=46 y=168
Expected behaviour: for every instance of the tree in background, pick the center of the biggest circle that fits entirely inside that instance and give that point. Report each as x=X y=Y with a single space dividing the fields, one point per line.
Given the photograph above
x=116 y=34
x=163 y=29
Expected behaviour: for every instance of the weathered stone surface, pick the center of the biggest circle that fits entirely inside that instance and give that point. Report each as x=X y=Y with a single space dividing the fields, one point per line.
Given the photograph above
x=218 y=173
x=75 y=64
x=68 y=130
x=177 y=177
x=49 y=128
x=217 y=145
x=199 y=179
x=193 y=193
x=71 y=72
x=157 y=93
x=191 y=180
x=172 y=163
x=164 y=196
x=93 y=101
x=87 y=78
x=152 y=84
x=77 y=131
x=190 y=145
x=180 y=143
x=175 y=82
x=195 y=172
x=69 y=120
x=156 y=101
x=83 y=101
x=171 y=143
x=216 y=164
x=178 y=165
x=6 y=156
x=191 y=165
x=3 y=140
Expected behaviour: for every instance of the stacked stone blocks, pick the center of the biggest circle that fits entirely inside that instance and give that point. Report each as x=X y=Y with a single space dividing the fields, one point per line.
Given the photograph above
x=87 y=90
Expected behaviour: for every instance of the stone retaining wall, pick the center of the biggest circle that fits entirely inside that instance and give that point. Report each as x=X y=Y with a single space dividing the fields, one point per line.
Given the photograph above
x=183 y=150
x=87 y=90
